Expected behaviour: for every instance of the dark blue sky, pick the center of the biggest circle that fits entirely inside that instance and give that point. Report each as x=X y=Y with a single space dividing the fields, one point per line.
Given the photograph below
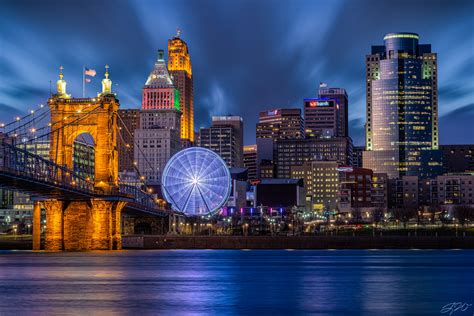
x=247 y=55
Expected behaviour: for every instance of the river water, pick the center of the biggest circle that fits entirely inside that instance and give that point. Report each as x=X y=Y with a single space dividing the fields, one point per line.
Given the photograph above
x=252 y=282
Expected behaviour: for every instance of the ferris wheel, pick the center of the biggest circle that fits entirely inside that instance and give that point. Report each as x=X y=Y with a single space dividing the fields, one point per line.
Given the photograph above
x=196 y=181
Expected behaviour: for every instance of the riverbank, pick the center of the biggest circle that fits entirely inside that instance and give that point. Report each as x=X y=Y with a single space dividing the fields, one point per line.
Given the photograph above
x=297 y=242
x=276 y=242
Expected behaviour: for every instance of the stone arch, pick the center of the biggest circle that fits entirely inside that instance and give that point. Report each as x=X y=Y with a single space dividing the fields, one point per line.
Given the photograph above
x=94 y=116
x=83 y=155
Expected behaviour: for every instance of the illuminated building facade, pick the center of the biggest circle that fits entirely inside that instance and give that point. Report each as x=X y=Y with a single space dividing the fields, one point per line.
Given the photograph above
x=128 y=122
x=225 y=137
x=250 y=161
x=274 y=125
x=402 y=108
x=320 y=117
x=295 y=152
x=321 y=179
x=159 y=91
x=157 y=140
x=342 y=108
x=280 y=124
x=179 y=66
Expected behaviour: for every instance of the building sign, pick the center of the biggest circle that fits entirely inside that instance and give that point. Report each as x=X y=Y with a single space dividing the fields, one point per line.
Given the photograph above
x=272 y=113
x=319 y=103
x=345 y=169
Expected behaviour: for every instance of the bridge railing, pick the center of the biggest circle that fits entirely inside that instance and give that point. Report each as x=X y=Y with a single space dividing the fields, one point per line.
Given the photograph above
x=24 y=164
x=140 y=196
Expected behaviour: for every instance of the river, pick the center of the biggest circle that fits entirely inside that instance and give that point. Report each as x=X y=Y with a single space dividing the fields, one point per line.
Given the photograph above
x=237 y=282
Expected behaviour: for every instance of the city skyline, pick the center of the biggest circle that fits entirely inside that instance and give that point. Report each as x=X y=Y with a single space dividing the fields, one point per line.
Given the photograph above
x=267 y=77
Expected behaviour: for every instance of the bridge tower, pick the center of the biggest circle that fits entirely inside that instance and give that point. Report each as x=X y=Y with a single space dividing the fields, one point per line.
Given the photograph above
x=90 y=223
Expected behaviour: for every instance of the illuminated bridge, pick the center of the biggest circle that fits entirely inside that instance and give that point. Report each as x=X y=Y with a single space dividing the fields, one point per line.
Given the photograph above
x=42 y=154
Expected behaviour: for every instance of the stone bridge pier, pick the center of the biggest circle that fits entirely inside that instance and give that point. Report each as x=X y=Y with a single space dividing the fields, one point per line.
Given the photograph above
x=94 y=224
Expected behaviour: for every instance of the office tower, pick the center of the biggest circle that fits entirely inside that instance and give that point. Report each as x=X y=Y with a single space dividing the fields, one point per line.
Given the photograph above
x=159 y=91
x=402 y=108
x=458 y=158
x=127 y=122
x=225 y=137
x=250 y=161
x=321 y=179
x=158 y=136
x=320 y=117
x=295 y=152
x=179 y=66
x=156 y=141
x=280 y=124
x=342 y=107
x=273 y=125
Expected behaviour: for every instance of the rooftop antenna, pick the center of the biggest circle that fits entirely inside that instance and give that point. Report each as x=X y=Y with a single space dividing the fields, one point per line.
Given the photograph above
x=178 y=32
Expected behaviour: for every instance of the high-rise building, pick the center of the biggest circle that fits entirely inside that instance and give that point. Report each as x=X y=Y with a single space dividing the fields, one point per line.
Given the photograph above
x=156 y=141
x=342 y=107
x=402 y=108
x=179 y=66
x=225 y=137
x=458 y=158
x=128 y=122
x=159 y=91
x=280 y=124
x=295 y=152
x=320 y=117
x=250 y=161
x=158 y=137
x=273 y=125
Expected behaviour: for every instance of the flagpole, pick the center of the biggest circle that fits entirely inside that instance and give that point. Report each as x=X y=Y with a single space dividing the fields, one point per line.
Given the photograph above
x=83 y=81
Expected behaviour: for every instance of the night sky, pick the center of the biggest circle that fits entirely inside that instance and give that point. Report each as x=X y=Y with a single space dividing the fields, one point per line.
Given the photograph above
x=247 y=56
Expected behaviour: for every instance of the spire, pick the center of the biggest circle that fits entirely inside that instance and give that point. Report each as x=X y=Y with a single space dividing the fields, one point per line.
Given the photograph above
x=106 y=83
x=61 y=85
x=178 y=32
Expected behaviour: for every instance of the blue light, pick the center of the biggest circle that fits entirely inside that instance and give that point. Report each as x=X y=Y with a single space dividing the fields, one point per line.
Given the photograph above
x=196 y=181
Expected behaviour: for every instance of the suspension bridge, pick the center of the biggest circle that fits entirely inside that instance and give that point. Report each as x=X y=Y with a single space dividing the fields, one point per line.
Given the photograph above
x=45 y=155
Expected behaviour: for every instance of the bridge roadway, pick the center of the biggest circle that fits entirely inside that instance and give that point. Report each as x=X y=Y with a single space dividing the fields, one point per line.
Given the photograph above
x=26 y=172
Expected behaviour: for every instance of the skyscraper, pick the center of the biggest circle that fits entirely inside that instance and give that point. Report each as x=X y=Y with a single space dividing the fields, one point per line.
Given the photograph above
x=158 y=137
x=274 y=125
x=280 y=124
x=179 y=66
x=295 y=152
x=159 y=91
x=320 y=117
x=342 y=107
x=225 y=137
x=156 y=141
x=402 y=108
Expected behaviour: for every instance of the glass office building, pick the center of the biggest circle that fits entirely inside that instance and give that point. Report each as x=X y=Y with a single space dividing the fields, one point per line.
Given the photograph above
x=402 y=108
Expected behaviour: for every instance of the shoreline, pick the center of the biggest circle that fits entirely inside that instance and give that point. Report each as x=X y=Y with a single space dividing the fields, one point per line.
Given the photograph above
x=278 y=242
x=297 y=242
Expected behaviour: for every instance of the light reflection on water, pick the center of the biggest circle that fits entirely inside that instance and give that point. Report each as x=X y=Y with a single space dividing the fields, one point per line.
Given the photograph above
x=344 y=282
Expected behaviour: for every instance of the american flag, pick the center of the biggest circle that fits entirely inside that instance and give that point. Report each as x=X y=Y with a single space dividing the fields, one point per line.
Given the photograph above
x=89 y=72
